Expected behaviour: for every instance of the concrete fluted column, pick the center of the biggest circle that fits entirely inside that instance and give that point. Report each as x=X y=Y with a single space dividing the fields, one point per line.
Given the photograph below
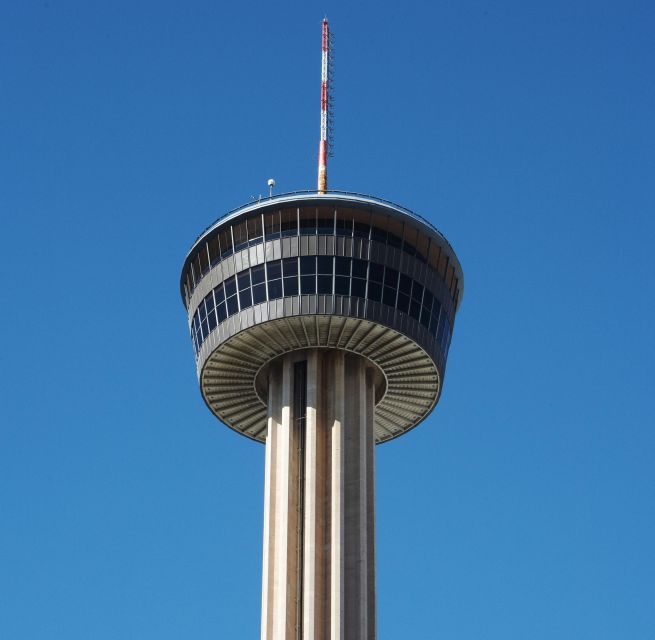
x=319 y=515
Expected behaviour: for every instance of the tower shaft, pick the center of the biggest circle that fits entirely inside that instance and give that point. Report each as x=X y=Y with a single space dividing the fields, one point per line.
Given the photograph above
x=319 y=520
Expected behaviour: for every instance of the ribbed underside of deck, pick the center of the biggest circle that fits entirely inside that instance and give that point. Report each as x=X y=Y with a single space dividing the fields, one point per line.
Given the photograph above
x=228 y=376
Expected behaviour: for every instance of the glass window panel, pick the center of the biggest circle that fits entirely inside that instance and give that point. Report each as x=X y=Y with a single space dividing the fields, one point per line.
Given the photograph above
x=291 y=286
x=232 y=305
x=197 y=271
x=344 y=226
x=441 y=328
x=374 y=290
x=205 y=329
x=230 y=286
x=405 y=284
x=394 y=232
x=425 y=317
x=245 y=298
x=325 y=284
x=307 y=265
x=274 y=269
x=259 y=293
x=378 y=230
x=342 y=285
x=358 y=288
x=389 y=296
x=361 y=223
x=403 y=302
x=289 y=222
x=244 y=280
x=427 y=299
x=209 y=301
x=221 y=312
x=324 y=264
x=255 y=230
x=240 y=234
x=417 y=292
x=307 y=221
x=342 y=266
x=415 y=309
x=202 y=311
x=274 y=289
x=214 y=251
x=410 y=240
x=390 y=277
x=422 y=242
x=360 y=268
x=211 y=320
x=272 y=225
x=218 y=294
x=325 y=222
x=290 y=267
x=225 y=240
x=204 y=259
x=375 y=272
x=307 y=284
x=257 y=274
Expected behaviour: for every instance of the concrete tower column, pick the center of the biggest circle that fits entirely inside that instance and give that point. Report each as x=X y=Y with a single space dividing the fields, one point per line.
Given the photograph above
x=319 y=539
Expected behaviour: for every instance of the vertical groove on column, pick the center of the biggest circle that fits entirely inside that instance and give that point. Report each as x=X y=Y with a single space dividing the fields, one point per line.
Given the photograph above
x=274 y=419
x=370 y=503
x=286 y=515
x=314 y=595
x=337 y=411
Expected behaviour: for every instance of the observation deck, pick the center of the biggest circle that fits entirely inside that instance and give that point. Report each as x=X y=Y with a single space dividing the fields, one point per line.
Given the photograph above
x=308 y=270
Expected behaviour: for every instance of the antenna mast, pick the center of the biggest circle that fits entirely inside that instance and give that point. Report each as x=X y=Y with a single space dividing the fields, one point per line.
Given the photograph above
x=324 y=147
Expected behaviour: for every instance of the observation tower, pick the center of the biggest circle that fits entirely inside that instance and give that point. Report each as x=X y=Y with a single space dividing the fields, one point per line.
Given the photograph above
x=321 y=322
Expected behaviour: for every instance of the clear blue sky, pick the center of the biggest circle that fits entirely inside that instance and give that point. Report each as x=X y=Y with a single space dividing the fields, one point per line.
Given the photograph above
x=525 y=506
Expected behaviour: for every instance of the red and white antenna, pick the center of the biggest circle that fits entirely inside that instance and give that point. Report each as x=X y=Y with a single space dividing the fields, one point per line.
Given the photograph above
x=324 y=147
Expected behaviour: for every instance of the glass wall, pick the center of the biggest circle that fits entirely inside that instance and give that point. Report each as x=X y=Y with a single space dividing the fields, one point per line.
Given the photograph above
x=325 y=275
x=357 y=223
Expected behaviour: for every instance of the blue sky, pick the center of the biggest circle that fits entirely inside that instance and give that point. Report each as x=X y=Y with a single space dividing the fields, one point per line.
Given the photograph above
x=524 y=507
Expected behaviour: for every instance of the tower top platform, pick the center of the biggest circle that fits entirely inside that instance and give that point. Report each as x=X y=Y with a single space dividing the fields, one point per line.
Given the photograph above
x=334 y=270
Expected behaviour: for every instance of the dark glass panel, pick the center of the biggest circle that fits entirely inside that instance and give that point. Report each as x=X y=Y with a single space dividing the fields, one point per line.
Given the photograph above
x=272 y=225
x=374 y=290
x=325 y=223
x=204 y=259
x=378 y=233
x=254 y=230
x=225 y=240
x=221 y=312
x=259 y=293
x=244 y=280
x=405 y=284
x=214 y=251
x=358 y=288
x=342 y=266
x=291 y=286
x=394 y=232
x=393 y=240
x=211 y=320
x=403 y=302
x=232 y=305
x=344 y=226
x=257 y=274
x=274 y=289
x=442 y=325
x=415 y=310
x=423 y=240
x=409 y=240
x=290 y=267
x=202 y=312
x=307 y=265
x=307 y=284
x=359 y=268
x=308 y=221
x=362 y=229
x=390 y=277
x=289 y=223
x=325 y=284
x=245 y=298
x=427 y=299
x=240 y=234
x=417 y=292
x=209 y=301
x=274 y=269
x=197 y=271
x=425 y=317
x=218 y=294
x=205 y=329
x=324 y=264
x=375 y=272
x=389 y=296
x=342 y=285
